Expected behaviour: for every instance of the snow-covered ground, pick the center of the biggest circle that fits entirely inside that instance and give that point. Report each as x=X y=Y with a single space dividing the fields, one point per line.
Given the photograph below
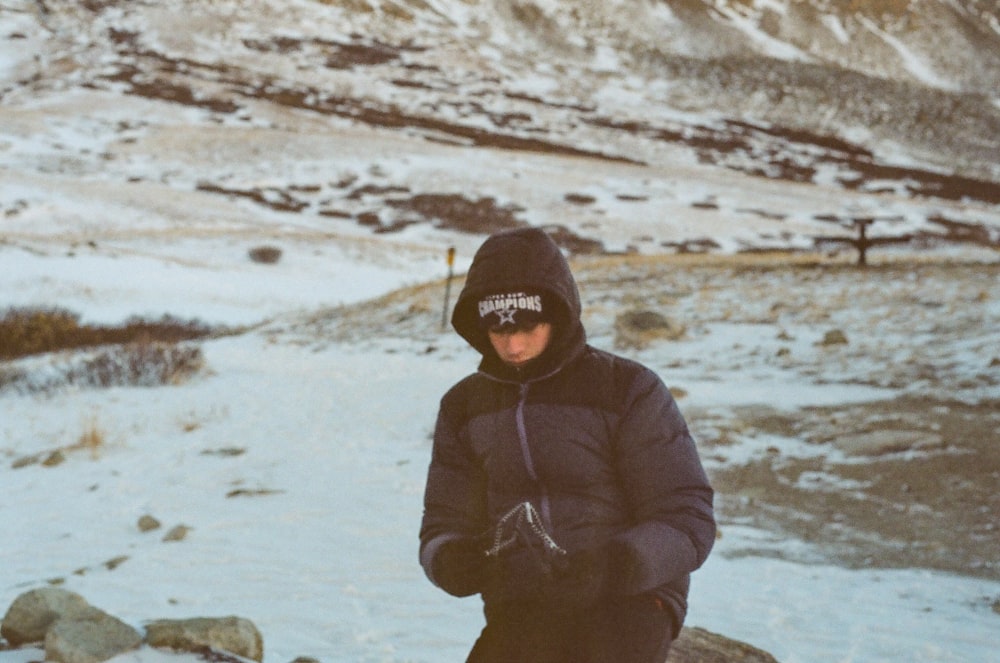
x=297 y=459
x=317 y=545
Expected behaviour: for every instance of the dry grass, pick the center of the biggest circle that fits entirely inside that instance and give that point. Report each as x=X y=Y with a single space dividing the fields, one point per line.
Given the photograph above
x=92 y=439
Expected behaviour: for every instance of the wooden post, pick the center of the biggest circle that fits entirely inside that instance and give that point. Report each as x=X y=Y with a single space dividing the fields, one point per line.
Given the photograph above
x=862 y=243
x=447 y=287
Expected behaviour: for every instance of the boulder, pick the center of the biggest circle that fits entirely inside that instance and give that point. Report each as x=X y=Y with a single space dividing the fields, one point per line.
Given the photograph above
x=92 y=639
x=696 y=645
x=232 y=634
x=636 y=329
x=31 y=614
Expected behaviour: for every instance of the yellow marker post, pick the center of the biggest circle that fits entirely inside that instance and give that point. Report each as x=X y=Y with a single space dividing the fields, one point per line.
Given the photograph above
x=447 y=287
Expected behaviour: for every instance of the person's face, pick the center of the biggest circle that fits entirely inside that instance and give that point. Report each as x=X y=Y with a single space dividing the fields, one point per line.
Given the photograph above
x=518 y=345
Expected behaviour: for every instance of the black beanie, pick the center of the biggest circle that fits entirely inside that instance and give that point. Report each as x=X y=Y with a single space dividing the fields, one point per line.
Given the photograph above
x=514 y=309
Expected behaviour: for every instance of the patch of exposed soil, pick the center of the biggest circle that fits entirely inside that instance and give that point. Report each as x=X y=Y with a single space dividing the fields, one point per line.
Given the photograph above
x=923 y=494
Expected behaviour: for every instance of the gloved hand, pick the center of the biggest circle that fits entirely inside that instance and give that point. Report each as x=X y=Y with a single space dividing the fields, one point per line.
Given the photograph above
x=517 y=576
x=459 y=566
x=562 y=583
x=578 y=580
x=626 y=573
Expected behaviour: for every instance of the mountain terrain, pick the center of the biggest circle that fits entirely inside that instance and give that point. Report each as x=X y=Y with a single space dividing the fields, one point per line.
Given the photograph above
x=634 y=126
x=714 y=161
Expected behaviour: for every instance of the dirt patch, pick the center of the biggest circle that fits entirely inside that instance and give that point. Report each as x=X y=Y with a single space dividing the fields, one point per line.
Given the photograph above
x=798 y=155
x=460 y=213
x=907 y=504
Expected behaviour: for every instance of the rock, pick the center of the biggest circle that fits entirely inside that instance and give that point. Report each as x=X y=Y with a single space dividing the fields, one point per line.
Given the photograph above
x=232 y=634
x=696 y=645
x=32 y=613
x=178 y=533
x=148 y=523
x=834 y=337
x=638 y=328
x=879 y=442
x=24 y=461
x=89 y=640
x=57 y=457
x=115 y=562
x=73 y=631
x=267 y=255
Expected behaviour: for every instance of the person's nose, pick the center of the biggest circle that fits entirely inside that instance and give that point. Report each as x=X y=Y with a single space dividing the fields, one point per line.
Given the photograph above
x=515 y=343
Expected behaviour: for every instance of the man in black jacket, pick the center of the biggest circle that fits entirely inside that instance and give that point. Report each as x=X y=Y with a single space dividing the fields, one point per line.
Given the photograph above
x=564 y=485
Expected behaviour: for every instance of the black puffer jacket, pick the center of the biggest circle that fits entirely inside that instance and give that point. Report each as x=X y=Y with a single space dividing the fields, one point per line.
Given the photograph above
x=594 y=441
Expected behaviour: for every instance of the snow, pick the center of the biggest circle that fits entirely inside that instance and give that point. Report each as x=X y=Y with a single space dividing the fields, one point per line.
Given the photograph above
x=921 y=70
x=319 y=550
x=834 y=24
x=318 y=543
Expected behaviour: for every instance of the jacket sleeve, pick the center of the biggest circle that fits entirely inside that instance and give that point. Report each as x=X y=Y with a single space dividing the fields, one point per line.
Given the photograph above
x=670 y=500
x=455 y=494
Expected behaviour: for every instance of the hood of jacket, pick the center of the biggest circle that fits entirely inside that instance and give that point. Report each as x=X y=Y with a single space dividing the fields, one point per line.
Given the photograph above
x=521 y=259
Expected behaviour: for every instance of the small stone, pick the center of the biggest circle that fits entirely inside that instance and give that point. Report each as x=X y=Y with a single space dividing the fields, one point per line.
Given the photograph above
x=148 y=523
x=115 y=562
x=55 y=458
x=834 y=337
x=178 y=533
x=24 y=461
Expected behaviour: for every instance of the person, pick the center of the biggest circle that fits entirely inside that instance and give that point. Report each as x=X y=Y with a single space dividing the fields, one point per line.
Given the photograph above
x=563 y=485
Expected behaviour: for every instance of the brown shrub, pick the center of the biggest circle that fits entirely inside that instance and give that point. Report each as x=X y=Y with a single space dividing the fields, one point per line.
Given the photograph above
x=30 y=331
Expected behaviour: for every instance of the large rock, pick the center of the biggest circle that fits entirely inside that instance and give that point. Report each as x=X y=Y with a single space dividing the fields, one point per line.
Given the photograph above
x=31 y=614
x=89 y=640
x=232 y=634
x=636 y=329
x=696 y=645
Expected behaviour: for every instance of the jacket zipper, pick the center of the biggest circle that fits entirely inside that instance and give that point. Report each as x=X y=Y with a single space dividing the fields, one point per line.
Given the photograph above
x=522 y=434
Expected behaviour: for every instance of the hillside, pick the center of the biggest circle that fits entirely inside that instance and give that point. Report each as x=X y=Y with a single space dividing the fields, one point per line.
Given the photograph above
x=642 y=127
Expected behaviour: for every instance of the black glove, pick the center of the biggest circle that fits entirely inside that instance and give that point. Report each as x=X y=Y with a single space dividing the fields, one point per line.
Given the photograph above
x=516 y=576
x=578 y=580
x=558 y=583
x=459 y=566
x=625 y=573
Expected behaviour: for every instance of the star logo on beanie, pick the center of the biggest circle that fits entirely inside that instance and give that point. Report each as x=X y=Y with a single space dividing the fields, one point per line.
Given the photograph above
x=506 y=316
